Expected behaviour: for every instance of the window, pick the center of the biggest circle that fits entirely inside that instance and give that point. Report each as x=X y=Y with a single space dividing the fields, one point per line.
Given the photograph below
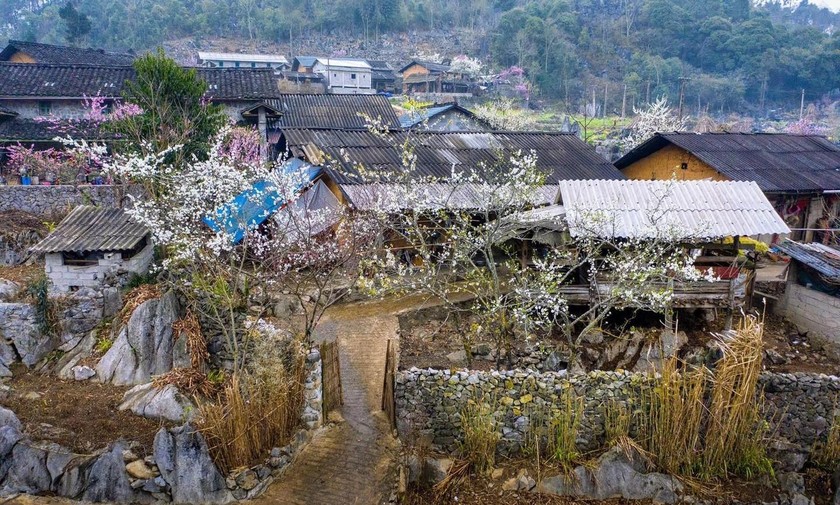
x=221 y=64
x=253 y=65
x=237 y=64
x=44 y=108
x=353 y=76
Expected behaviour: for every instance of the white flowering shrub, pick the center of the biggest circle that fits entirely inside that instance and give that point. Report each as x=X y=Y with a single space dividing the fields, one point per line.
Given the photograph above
x=658 y=117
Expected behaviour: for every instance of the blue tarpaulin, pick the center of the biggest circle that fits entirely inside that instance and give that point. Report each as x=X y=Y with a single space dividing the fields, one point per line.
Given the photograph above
x=253 y=206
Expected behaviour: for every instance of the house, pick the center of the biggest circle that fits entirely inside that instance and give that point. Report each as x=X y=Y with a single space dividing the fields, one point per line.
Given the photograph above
x=29 y=93
x=698 y=214
x=344 y=112
x=383 y=78
x=812 y=295
x=242 y=60
x=91 y=243
x=18 y=51
x=341 y=75
x=446 y=117
x=800 y=174
x=434 y=78
x=340 y=153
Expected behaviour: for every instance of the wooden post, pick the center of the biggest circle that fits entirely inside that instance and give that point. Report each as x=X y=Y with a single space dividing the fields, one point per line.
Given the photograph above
x=624 y=101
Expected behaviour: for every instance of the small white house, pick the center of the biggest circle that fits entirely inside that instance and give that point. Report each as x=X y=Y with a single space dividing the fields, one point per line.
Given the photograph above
x=346 y=76
x=242 y=60
x=91 y=242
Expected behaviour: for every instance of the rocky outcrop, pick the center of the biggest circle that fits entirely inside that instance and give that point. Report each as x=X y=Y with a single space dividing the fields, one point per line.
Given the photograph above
x=144 y=347
x=64 y=367
x=108 y=480
x=165 y=403
x=616 y=475
x=18 y=325
x=184 y=462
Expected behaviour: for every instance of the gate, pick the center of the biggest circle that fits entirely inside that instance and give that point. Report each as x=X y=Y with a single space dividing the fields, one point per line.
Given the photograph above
x=331 y=377
x=388 y=387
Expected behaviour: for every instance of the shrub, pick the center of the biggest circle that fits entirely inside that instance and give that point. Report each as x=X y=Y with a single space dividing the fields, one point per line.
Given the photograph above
x=565 y=425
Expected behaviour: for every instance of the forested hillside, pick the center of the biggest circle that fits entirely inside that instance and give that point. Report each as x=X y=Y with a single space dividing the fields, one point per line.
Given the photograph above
x=726 y=54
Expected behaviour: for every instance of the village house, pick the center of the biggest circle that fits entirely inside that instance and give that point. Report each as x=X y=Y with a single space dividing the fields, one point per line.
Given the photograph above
x=443 y=117
x=434 y=78
x=383 y=78
x=699 y=214
x=340 y=75
x=18 y=51
x=800 y=174
x=91 y=243
x=242 y=60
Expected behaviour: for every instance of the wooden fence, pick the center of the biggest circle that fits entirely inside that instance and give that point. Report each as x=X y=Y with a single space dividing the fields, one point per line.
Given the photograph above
x=388 y=404
x=331 y=370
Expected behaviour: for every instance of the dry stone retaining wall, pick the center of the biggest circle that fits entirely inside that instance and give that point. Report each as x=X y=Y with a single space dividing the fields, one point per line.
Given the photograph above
x=429 y=402
x=58 y=200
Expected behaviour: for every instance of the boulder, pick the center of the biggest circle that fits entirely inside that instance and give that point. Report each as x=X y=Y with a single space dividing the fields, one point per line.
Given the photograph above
x=184 y=462
x=8 y=290
x=8 y=418
x=653 y=353
x=616 y=475
x=144 y=347
x=27 y=470
x=65 y=366
x=436 y=469
x=107 y=479
x=457 y=357
x=791 y=482
x=17 y=322
x=166 y=403
x=73 y=480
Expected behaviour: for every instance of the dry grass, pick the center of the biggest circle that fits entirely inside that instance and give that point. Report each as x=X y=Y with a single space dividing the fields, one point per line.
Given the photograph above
x=481 y=435
x=196 y=343
x=827 y=454
x=253 y=412
x=135 y=298
x=734 y=441
x=189 y=380
x=616 y=423
x=565 y=424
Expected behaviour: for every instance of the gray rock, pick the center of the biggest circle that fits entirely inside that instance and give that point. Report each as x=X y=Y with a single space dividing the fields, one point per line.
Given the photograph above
x=111 y=302
x=791 y=482
x=4 y=371
x=789 y=457
x=554 y=362
x=7 y=352
x=83 y=373
x=184 y=463
x=436 y=469
x=58 y=458
x=166 y=403
x=457 y=356
x=413 y=469
x=8 y=418
x=9 y=436
x=144 y=347
x=482 y=349
x=27 y=471
x=247 y=480
x=775 y=357
x=107 y=480
x=8 y=290
x=17 y=322
x=65 y=366
x=73 y=480
x=800 y=499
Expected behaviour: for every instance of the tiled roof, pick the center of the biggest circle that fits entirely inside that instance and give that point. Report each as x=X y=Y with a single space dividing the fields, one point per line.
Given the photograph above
x=89 y=228
x=76 y=81
x=48 y=53
x=333 y=111
x=684 y=209
x=30 y=130
x=778 y=162
x=561 y=156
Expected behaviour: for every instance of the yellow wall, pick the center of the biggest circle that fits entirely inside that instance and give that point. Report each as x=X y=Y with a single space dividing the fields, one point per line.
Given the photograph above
x=667 y=161
x=414 y=69
x=20 y=57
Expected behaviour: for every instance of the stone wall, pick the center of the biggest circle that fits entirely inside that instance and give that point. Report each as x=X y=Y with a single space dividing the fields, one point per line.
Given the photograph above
x=429 y=402
x=56 y=201
x=812 y=310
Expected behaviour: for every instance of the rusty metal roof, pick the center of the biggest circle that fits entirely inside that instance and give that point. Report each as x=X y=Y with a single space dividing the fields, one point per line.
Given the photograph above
x=778 y=162
x=348 y=112
x=822 y=258
x=89 y=228
x=559 y=155
x=683 y=209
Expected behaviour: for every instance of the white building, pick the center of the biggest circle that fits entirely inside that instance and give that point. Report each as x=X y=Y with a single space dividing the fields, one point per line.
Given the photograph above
x=242 y=60
x=346 y=76
x=90 y=243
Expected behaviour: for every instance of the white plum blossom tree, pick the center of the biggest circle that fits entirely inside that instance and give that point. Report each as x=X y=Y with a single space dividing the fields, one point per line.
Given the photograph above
x=657 y=117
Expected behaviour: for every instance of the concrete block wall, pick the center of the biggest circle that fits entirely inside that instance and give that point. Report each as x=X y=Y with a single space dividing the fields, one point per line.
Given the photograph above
x=64 y=277
x=812 y=311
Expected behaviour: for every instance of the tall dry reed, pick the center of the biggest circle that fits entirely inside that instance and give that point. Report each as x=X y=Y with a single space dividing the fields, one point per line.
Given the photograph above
x=254 y=412
x=565 y=425
x=480 y=435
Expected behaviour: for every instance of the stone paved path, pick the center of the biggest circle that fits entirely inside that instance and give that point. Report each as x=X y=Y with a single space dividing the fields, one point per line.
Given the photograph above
x=351 y=463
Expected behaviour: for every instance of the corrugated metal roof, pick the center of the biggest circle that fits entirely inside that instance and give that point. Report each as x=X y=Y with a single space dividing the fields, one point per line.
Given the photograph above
x=560 y=156
x=413 y=118
x=89 y=228
x=778 y=162
x=822 y=258
x=333 y=111
x=245 y=57
x=682 y=209
x=434 y=196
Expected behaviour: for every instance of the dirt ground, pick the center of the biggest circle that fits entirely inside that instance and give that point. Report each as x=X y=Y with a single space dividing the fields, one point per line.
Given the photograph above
x=22 y=275
x=81 y=415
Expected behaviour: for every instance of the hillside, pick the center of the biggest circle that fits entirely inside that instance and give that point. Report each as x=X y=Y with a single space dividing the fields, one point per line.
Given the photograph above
x=724 y=55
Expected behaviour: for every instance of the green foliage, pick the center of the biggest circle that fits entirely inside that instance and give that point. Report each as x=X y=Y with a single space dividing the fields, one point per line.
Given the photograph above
x=76 y=24
x=174 y=109
x=46 y=316
x=141 y=279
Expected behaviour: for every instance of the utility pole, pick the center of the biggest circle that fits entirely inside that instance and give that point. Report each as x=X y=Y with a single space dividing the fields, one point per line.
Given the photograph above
x=594 y=109
x=647 y=93
x=802 y=105
x=683 y=80
x=624 y=101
